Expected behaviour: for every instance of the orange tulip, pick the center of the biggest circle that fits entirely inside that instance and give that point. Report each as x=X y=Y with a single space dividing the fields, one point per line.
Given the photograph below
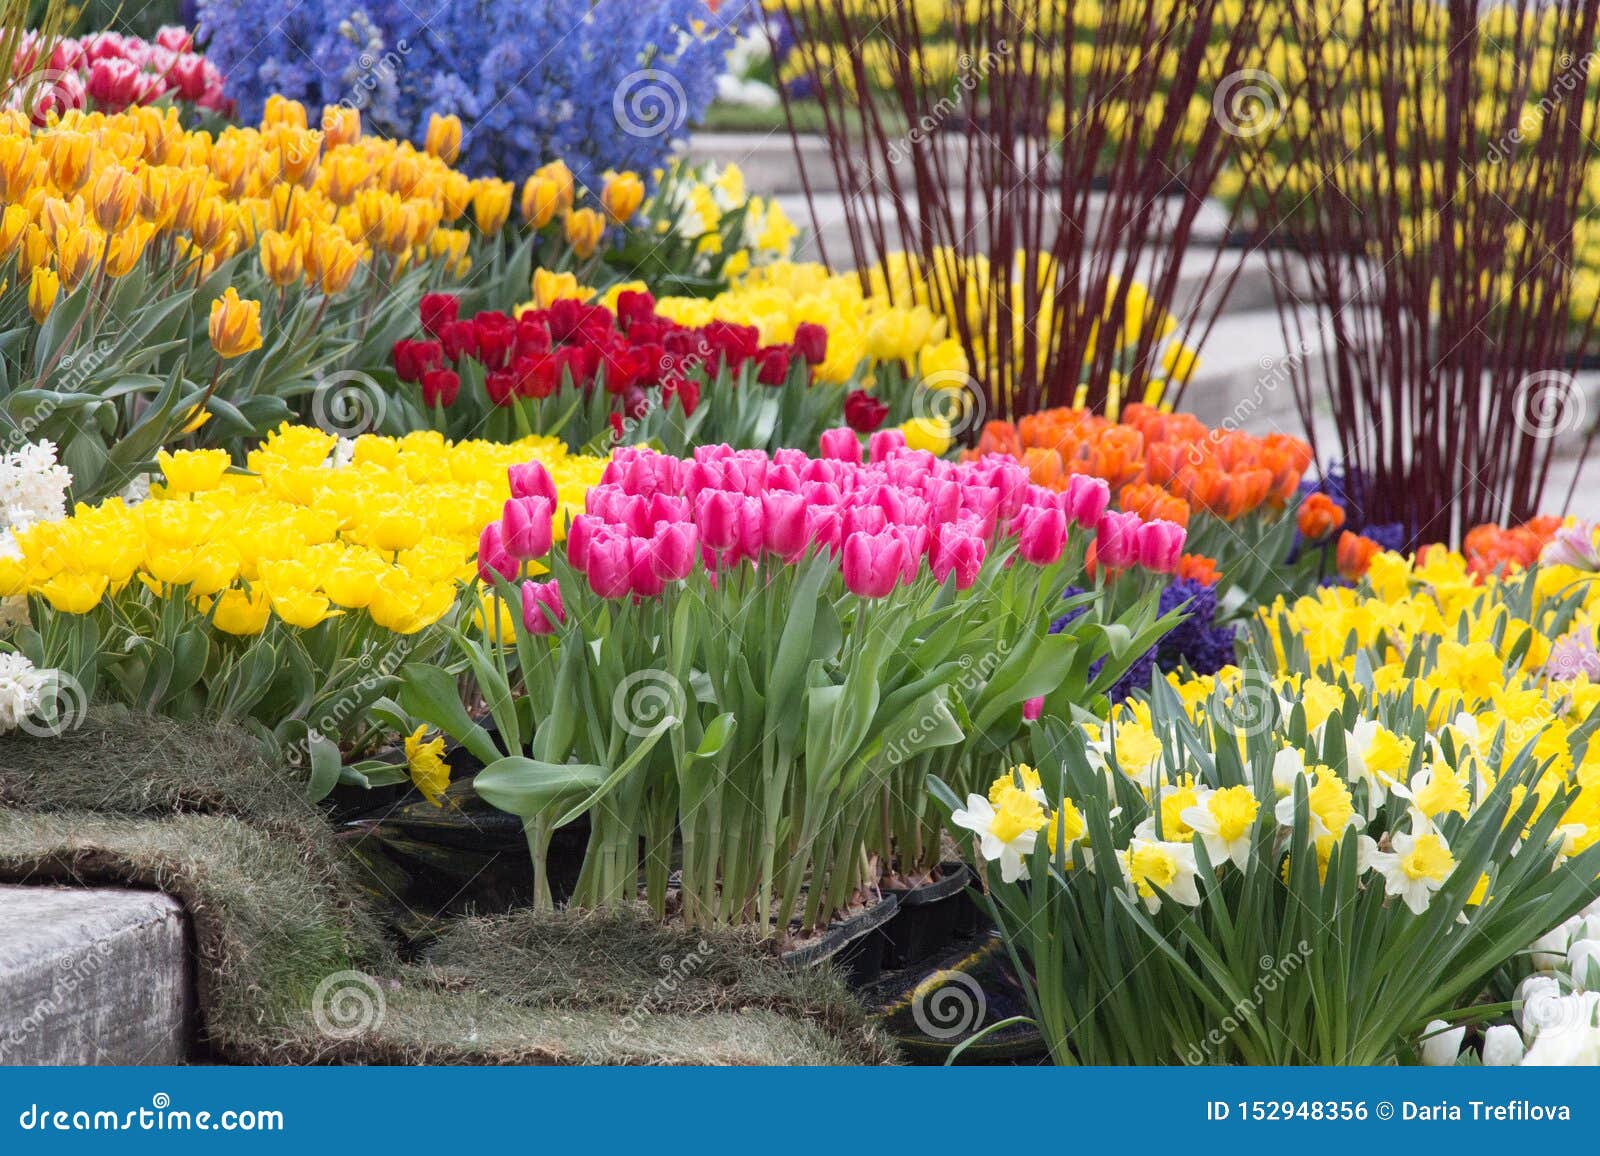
x=1354 y=555
x=1320 y=517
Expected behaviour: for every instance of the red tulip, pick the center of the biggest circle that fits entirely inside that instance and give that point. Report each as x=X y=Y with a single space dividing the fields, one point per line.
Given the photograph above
x=438 y=309
x=440 y=387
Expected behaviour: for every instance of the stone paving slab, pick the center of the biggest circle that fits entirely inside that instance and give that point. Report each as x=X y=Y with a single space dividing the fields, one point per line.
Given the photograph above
x=92 y=976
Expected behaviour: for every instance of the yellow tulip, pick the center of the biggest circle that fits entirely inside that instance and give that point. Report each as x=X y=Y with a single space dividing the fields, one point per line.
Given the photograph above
x=548 y=288
x=280 y=258
x=126 y=249
x=622 y=195
x=584 y=229
x=242 y=612
x=235 y=327
x=341 y=125
x=13 y=224
x=74 y=593
x=300 y=608
x=566 y=187
x=425 y=761
x=491 y=205
x=42 y=289
x=193 y=471
x=541 y=197
x=282 y=110
x=69 y=154
x=115 y=196
x=444 y=137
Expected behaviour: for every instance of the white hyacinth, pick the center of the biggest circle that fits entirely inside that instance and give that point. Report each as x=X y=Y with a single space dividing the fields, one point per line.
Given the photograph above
x=21 y=688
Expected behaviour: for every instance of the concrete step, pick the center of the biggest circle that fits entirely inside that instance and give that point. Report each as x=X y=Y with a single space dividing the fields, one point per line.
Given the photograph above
x=93 y=976
x=1244 y=380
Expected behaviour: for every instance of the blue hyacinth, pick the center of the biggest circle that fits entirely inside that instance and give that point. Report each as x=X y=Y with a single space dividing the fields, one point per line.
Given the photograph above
x=600 y=84
x=1196 y=642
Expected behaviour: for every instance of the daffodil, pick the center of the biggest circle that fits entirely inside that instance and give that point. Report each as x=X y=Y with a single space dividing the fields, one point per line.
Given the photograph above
x=1007 y=829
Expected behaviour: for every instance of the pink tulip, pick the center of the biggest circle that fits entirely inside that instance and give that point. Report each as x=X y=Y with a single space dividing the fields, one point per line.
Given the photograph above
x=864 y=520
x=873 y=563
x=674 y=548
x=492 y=555
x=824 y=527
x=532 y=480
x=579 y=535
x=943 y=496
x=784 y=515
x=1086 y=499
x=841 y=445
x=525 y=528
x=716 y=516
x=644 y=578
x=1032 y=709
x=916 y=543
x=958 y=553
x=609 y=565
x=883 y=443
x=752 y=528
x=542 y=609
x=1116 y=540
x=1043 y=536
x=1160 y=545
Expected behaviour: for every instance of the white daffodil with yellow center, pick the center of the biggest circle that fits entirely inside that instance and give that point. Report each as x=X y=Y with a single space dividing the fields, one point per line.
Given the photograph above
x=1172 y=800
x=1225 y=820
x=1328 y=799
x=1007 y=828
x=1150 y=864
x=1377 y=757
x=1415 y=868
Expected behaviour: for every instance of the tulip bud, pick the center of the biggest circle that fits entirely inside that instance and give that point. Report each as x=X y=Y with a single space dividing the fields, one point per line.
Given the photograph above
x=1086 y=499
x=235 y=327
x=1043 y=536
x=784 y=524
x=525 y=528
x=542 y=608
x=42 y=289
x=493 y=557
x=622 y=195
x=584 y=229
x=873 y=563
x=841 y=444
x=115 y=197
x=1116 y=540
x=444 y=137
x=532 y=480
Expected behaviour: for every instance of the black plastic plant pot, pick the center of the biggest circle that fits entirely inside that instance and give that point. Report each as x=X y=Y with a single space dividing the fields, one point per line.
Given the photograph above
x=933 y=1008
x=856 y=946
x=930 y=917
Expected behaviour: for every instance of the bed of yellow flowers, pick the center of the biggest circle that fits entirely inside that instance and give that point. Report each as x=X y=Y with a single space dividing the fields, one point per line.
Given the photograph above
x=1393 y=794
x=288 y=591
